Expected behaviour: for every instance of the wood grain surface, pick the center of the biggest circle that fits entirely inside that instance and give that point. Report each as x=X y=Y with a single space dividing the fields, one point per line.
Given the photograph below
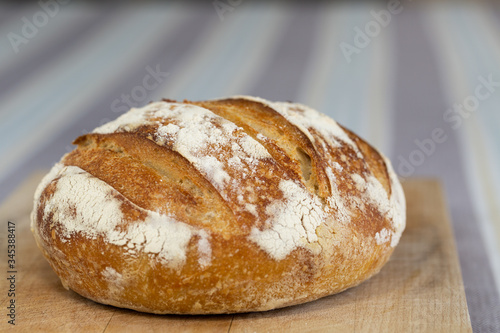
x=419 y=290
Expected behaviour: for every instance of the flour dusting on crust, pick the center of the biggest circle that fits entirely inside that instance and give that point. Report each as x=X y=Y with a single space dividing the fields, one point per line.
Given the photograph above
x=398 y=204
x=200 y=137
x=336 y=200
x=197 y=134
x=88 y=206
x=292 y=220
x=111 y=275
x=383 y=236
x=306 y=118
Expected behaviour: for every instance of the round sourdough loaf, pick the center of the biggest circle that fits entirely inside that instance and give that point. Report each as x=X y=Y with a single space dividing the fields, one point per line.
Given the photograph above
x=221 y=206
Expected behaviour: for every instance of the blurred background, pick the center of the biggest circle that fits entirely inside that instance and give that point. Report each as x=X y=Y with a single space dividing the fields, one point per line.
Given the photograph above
x=419 y=80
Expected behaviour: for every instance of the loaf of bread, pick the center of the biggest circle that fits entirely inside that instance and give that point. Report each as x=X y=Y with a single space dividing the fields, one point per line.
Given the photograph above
x=220 y=206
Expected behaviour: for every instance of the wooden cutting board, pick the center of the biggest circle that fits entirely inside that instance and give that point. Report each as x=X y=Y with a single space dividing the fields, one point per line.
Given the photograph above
x=419 y=290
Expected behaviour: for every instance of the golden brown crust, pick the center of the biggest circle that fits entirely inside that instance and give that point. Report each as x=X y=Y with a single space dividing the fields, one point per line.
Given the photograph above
x=131 y=163
x=221 y=213
x=288 y=145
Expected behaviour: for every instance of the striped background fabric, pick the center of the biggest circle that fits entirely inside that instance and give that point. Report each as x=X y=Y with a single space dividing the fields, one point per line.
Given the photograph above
x=419 y=81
